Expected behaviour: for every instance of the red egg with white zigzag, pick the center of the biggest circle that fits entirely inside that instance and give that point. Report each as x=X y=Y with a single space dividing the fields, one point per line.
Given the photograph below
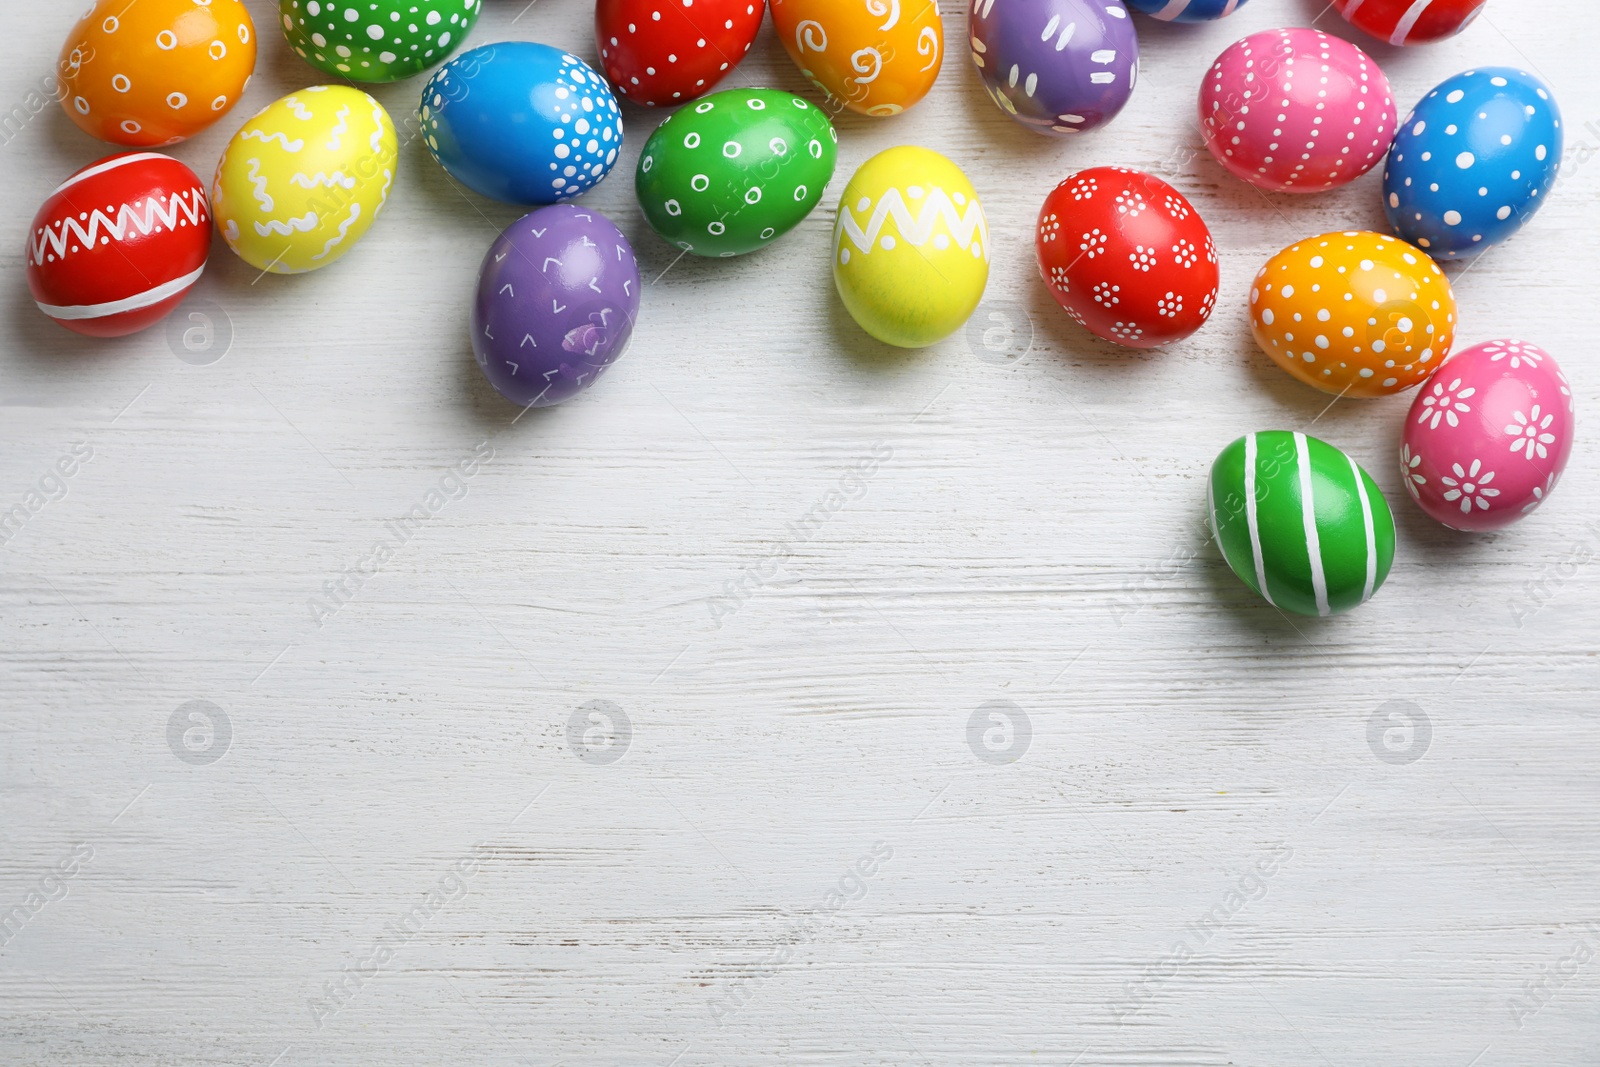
x=119 y=244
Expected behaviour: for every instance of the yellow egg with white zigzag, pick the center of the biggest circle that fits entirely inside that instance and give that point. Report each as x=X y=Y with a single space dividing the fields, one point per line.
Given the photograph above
x=303 y=180
x=910 y=247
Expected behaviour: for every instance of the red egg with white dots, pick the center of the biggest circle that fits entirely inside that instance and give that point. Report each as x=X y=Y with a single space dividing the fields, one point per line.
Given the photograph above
x=1296 y=111
x=119 y=244
x=663 y=52
x=1127 y=256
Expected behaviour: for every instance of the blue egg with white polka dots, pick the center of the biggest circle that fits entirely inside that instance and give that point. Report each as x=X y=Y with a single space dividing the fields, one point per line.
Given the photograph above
x=1187 y=10
x=1473 y=162
x=522 y=122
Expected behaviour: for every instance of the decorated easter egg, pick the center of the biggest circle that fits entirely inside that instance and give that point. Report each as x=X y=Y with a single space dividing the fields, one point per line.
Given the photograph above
x=303 y=180
x=1296 y=111
x=736 y=171
x=1300 y=522
x=1488 y=436
x=567 y=127
x=119 y=244
x=665 y=52
x=910 y=247
x=1473 y=161
x=154 y=72
x=1187 y=10
x=1410 y=21
x=1356 y=314
x=1056 y=66
x=1127 y=256
x=877 y=57
x=558 y=295
x=376 y=40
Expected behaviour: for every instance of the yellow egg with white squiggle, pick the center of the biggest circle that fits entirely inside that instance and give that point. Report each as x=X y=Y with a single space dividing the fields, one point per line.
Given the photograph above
x=303 y=180
x=910 y=247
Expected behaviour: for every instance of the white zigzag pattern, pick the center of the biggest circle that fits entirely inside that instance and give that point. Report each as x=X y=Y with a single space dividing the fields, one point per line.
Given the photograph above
x=263 y=197
x=288 y=145
x=344 y=228
x=377 y=127
x=300 y=110
x=339 y=129
x=304 y=224
x=936 y=208
x=323 y=180
x=158 y=214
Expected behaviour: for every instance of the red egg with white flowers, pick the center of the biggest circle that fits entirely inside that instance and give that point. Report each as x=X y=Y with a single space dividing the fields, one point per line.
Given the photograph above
x=119 y=244
x=663 y=52
x=1128 y=257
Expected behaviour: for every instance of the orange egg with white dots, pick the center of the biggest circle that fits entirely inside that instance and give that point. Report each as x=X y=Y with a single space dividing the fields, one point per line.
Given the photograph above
x=1355 y=314
x=155 y=72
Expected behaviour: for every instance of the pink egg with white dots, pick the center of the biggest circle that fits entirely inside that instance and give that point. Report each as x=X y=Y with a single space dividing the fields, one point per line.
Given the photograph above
x=1488 y=436
x=1296 y=111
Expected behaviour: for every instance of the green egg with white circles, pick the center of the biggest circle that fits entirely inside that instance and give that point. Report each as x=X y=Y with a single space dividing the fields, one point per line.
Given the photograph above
x=376 y=40
x=735 y=171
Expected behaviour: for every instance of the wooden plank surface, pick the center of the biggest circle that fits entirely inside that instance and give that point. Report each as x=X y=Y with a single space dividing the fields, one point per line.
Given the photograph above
x=417 y=845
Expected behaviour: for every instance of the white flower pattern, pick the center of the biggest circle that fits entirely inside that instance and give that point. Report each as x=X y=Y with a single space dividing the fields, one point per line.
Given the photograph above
x=1540 y=492
x=1409 y=462
x=1470 y=486
x=1531 y=434
x=1518 y=353
x=1442 y=402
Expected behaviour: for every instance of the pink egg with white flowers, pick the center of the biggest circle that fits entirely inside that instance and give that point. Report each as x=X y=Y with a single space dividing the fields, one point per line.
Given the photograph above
x=1296 y=111
x=1488 y=436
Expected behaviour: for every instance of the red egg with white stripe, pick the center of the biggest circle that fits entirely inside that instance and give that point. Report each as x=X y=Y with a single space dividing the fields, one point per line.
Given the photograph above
x=119 y=244
x=1410 y=21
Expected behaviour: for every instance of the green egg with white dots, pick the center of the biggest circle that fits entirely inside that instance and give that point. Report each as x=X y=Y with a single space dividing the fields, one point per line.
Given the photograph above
x=376 y=40
x=735 y=171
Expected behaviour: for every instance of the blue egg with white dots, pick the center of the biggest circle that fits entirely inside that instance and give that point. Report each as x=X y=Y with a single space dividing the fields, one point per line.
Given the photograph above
x=1473 y=162
x=1187 y=10
x=522 y=122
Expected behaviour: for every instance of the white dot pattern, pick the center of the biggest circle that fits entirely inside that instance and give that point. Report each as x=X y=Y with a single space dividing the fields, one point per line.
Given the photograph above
x=1296 y=110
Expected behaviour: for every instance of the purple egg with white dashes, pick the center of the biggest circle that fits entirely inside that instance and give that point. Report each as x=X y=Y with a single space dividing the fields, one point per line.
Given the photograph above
x=1057 y=66
x=558 y=295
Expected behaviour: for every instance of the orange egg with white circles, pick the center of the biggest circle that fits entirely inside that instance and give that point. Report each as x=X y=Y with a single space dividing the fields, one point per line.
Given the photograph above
x=1357 y=313
x=155 y=72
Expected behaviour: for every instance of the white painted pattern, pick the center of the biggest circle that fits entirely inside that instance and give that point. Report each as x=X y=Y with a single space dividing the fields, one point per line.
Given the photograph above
x=1308 y=518
x=1181 y=729
x=1402 y=28
x=1369 y=528
x=153 y=295
x=1251 y=447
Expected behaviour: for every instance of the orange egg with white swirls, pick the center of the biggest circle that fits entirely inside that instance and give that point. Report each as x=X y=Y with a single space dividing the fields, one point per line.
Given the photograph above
x=876 y=57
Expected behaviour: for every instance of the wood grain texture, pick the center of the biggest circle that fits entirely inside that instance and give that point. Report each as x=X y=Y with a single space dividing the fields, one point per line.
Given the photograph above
x=1199 y=859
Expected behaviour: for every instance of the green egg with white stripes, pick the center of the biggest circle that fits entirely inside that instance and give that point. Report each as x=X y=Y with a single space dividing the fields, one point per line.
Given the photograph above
x=1300 y=522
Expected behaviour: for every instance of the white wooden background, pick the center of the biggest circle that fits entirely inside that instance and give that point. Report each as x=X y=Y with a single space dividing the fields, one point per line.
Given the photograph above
x=1030 y=531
